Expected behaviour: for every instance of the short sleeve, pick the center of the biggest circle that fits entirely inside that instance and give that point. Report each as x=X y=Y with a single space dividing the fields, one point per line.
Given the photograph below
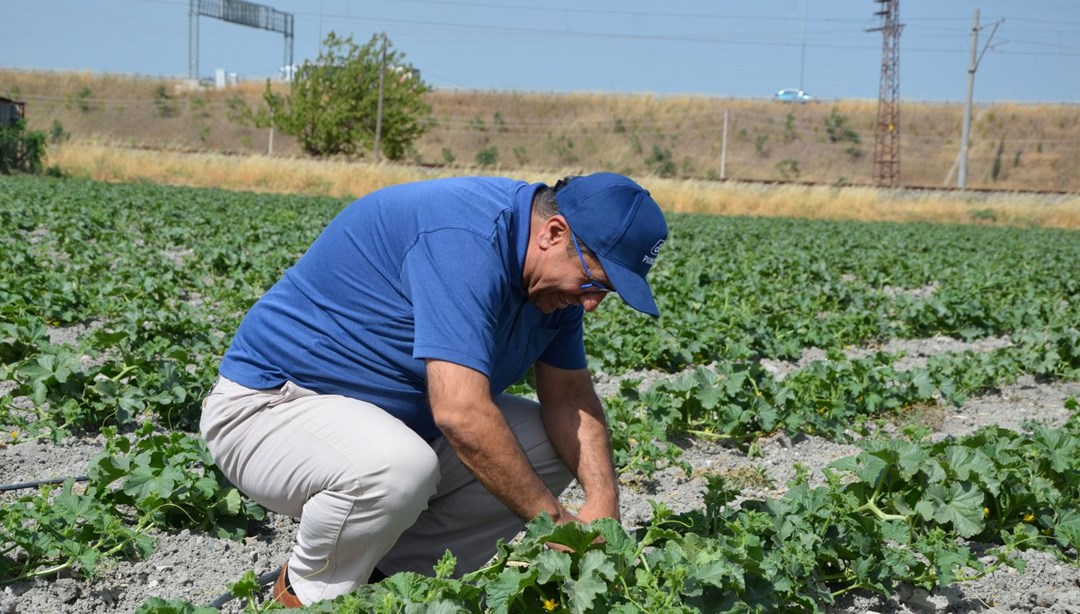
x=457 y=281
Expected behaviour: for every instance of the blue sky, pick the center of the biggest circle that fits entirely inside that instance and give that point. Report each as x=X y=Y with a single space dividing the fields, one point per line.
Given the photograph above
x=716 y=48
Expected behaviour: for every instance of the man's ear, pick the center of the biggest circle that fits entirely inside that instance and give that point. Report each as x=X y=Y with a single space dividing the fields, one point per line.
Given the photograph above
x=555 y=232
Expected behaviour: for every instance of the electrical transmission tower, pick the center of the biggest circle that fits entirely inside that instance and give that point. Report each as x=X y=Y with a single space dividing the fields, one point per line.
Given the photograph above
x=887 y=139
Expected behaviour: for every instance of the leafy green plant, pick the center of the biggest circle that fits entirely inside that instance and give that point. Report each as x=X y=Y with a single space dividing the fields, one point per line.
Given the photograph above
x=57 y=134
x=661 y=162
x=21 y=150
x=995 y=168
x=760 y=140
x=564 y=149
x=521 y=155
x=788 y=169
x=164 y=105
x=839 y=130
x=62 y=529
x=789 y=128
x=488 y=156
x=170 y=481
x=82 y=99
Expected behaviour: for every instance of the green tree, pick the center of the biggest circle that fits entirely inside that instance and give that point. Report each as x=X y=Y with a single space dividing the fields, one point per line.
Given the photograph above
x=21 y=150
x=332 y=106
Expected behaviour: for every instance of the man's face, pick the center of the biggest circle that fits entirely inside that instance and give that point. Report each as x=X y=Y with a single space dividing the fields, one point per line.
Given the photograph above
x=563 y=276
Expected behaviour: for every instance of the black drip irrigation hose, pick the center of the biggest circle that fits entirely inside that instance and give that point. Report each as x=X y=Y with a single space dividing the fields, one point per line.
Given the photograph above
x=264 y=580
x=55 y=481
x=36 y=483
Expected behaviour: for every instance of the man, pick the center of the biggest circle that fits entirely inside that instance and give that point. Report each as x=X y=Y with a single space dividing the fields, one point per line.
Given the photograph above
x=363 y=393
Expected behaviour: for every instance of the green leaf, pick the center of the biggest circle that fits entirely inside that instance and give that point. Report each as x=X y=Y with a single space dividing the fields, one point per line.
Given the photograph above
x=506 y=587
x=246 y=587
x=1067 y=528
x=230 y=504
x=551 y=565
x=145 y=480
x=89 y=559
x=912 y=458
x=594 y=571
x=957 y=503
x=70 y=506
x=574 y=535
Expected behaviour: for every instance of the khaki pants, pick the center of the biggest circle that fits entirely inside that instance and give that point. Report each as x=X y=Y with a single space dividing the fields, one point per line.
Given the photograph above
x=369 y=491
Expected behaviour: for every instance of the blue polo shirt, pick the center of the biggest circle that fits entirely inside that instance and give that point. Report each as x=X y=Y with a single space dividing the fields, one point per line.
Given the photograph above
x=411 y=272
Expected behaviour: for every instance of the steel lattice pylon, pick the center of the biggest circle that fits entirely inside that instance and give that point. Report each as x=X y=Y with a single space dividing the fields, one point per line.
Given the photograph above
x=887 y=139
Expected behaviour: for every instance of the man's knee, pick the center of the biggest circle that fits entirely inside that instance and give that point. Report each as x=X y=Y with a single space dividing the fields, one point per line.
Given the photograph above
x=401 y=483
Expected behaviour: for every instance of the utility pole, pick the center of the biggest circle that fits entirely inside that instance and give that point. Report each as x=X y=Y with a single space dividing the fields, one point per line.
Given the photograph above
x=802 y=59
x=378 y=111
x=965 y=135
x=193 y=40
x=723 y=151
x=887 y=139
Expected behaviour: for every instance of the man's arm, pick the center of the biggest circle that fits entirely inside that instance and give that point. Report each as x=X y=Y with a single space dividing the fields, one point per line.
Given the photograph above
x=474 y=427
x=574 y=419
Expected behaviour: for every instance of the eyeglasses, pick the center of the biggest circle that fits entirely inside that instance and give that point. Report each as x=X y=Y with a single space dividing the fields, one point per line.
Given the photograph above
x=593 y=285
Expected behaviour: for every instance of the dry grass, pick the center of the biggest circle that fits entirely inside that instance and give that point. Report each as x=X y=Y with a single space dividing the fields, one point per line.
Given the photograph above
x=1015 y=147
x=260 y=173
x=257 y=173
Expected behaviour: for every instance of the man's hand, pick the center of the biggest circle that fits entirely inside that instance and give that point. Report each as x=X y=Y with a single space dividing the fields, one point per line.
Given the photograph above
x=575 y=423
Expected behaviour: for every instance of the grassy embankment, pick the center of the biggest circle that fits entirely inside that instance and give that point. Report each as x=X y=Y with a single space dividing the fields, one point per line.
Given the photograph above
x=119 y=128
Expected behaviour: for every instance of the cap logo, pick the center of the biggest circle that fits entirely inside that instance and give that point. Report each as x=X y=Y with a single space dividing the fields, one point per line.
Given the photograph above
x=653 y=253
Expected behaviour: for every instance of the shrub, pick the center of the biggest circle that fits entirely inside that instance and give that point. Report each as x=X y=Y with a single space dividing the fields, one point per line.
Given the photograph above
x=661 y=162
x=163 y=102
x=759 y=144
x=564 y=148
x=789 y=128
x=995 y=170
x=82 y=99
x=838 y=129
x=521 y=156
x=57 y=134
x=788 y=168
x=487 y=156
x=21 y=151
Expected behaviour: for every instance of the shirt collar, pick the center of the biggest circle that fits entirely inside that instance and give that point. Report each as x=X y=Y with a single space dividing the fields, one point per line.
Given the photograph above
x=519 y=230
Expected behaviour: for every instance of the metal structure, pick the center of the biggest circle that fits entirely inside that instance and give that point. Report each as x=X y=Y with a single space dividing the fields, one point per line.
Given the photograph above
x=887 y=139
x=239 y=12
x=11 y=111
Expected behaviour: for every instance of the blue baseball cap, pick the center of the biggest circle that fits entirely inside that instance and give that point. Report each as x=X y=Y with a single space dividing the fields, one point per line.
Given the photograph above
x=621 y=223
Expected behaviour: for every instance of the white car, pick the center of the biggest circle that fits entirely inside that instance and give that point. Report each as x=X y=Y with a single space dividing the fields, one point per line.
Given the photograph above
x=792 y=95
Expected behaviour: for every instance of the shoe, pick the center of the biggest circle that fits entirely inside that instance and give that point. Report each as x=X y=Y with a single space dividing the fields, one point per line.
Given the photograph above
x=281 y=592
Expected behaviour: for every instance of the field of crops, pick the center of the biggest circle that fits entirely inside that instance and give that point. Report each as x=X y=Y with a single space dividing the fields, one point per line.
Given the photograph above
x=829 y=417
